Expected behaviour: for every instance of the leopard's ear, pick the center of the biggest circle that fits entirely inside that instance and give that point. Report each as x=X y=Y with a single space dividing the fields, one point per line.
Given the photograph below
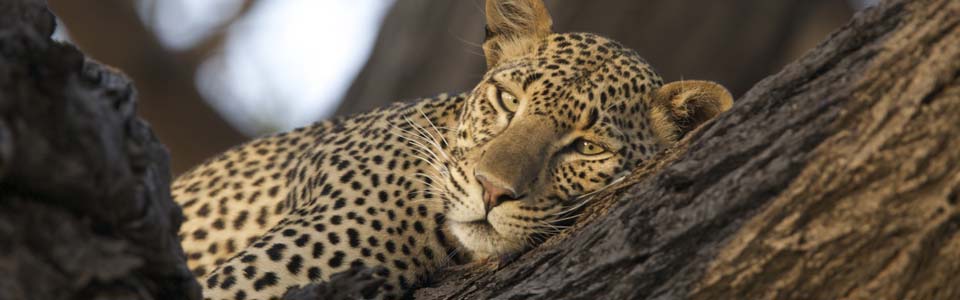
x=681 y=106
x=514 y=27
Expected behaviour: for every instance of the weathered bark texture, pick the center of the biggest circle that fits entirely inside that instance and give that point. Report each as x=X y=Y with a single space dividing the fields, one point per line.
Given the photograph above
x=427 y=47
x=837 y=178
x=85 y=207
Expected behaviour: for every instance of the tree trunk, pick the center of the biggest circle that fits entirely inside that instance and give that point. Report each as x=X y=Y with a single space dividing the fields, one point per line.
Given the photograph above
x=85 y=207
x=836 y=178
x=427 y=47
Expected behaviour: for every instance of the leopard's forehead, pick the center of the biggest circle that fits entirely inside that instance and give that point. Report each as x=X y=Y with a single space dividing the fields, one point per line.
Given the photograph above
x=572 y=74
x=585 y=53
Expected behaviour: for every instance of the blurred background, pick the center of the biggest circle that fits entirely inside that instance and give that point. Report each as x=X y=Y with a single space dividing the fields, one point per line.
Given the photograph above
x=214 y=73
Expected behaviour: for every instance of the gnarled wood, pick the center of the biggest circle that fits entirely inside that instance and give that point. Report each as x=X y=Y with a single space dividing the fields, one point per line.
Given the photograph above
x=85 y=207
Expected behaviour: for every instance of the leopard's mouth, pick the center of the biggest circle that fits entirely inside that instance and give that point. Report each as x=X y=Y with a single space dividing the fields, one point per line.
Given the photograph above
x=482 y=226
x=482 y=239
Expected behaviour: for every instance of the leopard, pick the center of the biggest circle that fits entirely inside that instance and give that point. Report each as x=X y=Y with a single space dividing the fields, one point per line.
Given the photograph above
x=415 y=187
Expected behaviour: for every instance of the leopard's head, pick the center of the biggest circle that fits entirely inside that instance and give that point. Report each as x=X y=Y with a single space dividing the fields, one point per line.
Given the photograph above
x=557 y=116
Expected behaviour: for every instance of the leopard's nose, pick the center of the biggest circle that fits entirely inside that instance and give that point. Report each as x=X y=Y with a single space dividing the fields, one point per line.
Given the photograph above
x=495 y=193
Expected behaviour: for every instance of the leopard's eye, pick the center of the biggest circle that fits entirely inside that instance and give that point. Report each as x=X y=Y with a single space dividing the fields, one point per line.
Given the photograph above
x=586 y=147
x=509 y=102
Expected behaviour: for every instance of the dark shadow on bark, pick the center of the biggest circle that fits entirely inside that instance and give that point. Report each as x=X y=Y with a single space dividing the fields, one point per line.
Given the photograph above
x=85 y=207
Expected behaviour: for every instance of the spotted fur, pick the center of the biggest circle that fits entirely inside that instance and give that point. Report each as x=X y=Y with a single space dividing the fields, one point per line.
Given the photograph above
x=418 y=186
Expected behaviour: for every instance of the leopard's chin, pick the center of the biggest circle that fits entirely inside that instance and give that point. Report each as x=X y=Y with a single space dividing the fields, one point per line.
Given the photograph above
x=483 y=240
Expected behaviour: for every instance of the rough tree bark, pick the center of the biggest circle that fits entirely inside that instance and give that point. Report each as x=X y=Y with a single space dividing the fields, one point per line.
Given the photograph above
x=85 y=207
x=837 y=178
x=734 y=42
